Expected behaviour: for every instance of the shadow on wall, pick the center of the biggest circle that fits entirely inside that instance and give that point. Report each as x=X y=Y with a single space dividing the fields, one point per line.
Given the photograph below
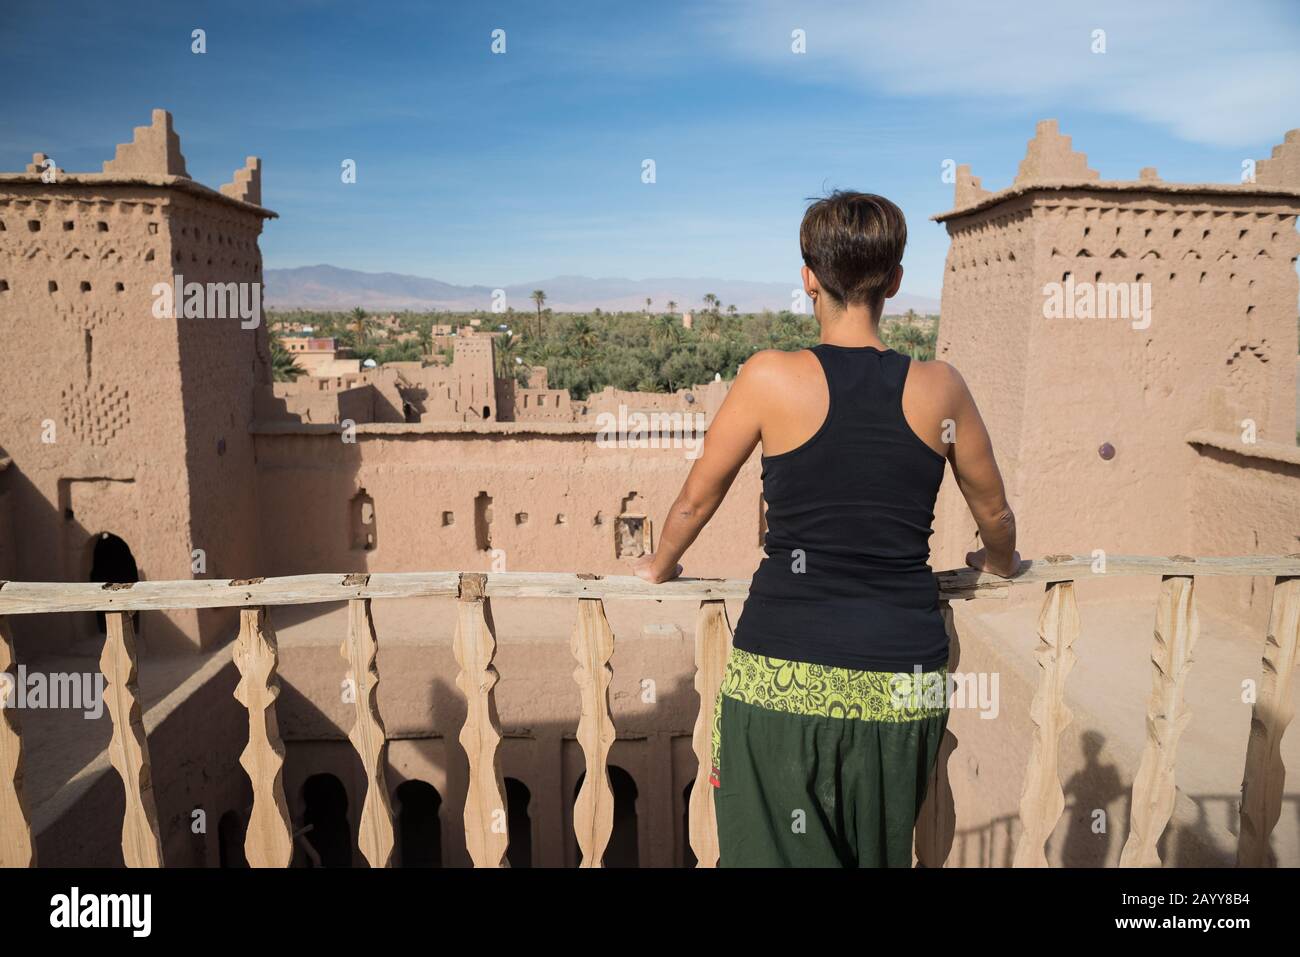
x=537 y=761
x=1098 y=808
x=325 y=785
x=71 y=542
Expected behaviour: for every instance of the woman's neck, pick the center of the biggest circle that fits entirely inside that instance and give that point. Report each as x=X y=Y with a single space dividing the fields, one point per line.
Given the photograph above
x=852 y=326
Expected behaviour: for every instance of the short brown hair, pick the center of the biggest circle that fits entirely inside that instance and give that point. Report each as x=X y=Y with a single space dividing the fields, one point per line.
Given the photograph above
x=853 y=242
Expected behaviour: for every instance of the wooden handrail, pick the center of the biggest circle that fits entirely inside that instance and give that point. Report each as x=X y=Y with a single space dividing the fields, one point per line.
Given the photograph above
x=27 y=598
x=269 y=838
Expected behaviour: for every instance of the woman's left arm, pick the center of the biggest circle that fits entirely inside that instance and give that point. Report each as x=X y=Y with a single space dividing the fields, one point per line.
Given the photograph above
x=731 y=437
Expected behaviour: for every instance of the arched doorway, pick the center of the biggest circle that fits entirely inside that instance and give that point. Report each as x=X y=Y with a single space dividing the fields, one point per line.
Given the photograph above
x=519 y=824
x=230 y=840
x=419 y=830
x=111 y=561
x=325 y=814
x=622 y=850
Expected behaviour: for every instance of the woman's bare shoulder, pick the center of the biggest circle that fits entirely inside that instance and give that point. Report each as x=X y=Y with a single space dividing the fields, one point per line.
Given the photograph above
x=774 y=366
x=938 y=376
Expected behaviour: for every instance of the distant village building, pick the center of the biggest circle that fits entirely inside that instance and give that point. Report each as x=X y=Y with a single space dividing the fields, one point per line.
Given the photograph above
x=466 y=390
x=319 y=357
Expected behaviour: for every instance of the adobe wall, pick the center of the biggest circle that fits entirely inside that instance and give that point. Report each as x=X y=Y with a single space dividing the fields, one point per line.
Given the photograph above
x=1218 y=262
x=987 y=306
x=137 y=423
x=1243 y=501
x=108 y=385
x=556 y=498
x=221 y=364
x=1224 y=298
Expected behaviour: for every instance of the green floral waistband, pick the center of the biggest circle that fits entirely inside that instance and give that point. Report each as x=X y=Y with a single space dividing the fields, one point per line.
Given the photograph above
x=799 y=687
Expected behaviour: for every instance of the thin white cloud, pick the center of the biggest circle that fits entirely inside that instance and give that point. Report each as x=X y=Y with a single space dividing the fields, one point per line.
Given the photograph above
x=1209 y=72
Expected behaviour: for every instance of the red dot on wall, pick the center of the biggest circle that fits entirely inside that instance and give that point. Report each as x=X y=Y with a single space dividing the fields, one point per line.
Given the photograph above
x=1106 y=451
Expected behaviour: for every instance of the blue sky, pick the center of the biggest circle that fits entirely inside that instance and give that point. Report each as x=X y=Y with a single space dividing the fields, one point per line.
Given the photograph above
x=499 y=169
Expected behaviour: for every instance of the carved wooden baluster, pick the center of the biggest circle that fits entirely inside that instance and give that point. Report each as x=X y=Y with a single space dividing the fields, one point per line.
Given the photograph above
x=361 y=650
x=593 y=812
x=712 y=646
x=129 y=748
x=936 y=822
x=1261 y=787
x=475 y=645
x=269 y=840
x=1167 y=715
x=16 y=847
x=1042 y=800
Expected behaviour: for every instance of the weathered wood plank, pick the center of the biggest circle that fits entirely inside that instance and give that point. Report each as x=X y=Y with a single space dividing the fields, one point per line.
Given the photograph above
x=1265 y=774
x=16 y=846
x=361 y=651
x=1042 y=799
x=475 y=644
x=1154 y=791
x=269 y=840
x=35 y=597
x=128 y=751
x=712 y=646
x=25 y=598
x=593 y=811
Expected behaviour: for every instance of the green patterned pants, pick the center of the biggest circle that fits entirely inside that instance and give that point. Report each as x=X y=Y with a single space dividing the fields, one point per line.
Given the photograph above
x=822 y=767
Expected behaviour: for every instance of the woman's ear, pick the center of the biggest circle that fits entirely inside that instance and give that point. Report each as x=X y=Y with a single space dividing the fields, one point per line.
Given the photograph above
x=897 y=281
x=810 y=285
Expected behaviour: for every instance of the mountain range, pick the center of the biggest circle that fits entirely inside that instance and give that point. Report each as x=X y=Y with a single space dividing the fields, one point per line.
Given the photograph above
x=331 y=288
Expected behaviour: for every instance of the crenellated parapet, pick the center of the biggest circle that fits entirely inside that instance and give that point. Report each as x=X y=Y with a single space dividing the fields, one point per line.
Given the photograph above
x=155 y=150
x=1052 y=165
x=247 y=184
x=968 y=189
x=1283 y=168
x=1051 y=157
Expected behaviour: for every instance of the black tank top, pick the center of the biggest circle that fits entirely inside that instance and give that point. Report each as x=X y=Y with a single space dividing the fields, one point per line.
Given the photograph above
x=847 y=581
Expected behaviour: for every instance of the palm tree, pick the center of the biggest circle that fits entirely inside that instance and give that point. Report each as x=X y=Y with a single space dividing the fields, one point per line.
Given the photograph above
x=731 y=310
x=582 y=340
x=711 y=302
x=911 y=340
x=538 y=297
x=666 y=331
x=284 y=365
x=507 y=350
x=647 y=303
x=672 y=306
x=360 y=326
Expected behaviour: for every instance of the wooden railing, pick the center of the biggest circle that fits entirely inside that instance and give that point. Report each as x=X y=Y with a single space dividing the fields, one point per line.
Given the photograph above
x=269 y=839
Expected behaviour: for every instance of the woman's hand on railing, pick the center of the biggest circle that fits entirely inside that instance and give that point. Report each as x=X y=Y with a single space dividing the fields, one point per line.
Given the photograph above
x=648 y=567
x=983 y=562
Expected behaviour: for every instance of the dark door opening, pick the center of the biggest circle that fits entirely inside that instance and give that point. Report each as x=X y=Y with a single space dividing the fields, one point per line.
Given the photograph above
x=519 y=824
x=419 y=831
x=111 y=561
x=326 y=814
x=230 y=840
x=622 y=849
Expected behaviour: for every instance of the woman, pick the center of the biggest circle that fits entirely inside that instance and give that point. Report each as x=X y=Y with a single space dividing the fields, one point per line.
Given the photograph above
x=827 y=726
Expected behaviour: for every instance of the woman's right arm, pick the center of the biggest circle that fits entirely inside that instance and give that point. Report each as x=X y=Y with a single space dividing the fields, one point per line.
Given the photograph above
x=977 y=475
